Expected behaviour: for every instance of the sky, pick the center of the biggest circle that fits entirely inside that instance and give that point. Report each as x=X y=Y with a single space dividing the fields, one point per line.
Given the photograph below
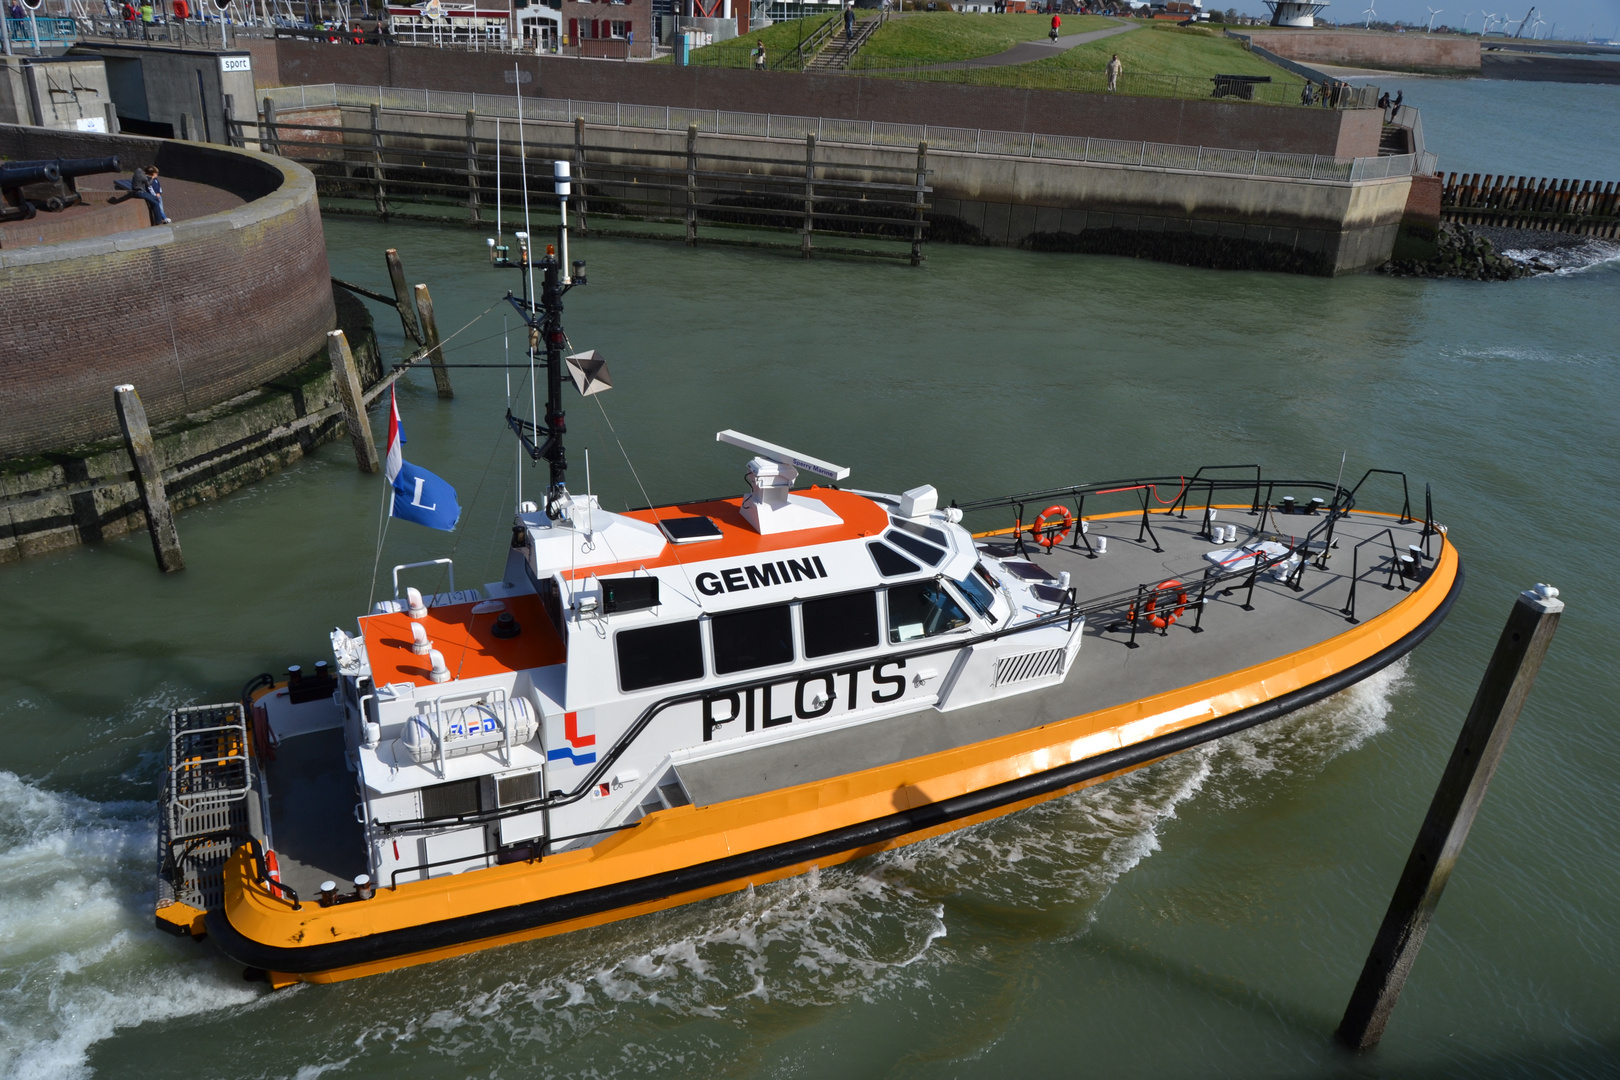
x=1575 y=18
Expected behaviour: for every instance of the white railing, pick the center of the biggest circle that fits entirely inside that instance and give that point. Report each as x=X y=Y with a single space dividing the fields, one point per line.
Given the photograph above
x=1150 y=155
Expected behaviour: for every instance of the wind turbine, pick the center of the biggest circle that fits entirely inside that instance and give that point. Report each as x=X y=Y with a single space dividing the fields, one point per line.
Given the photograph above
x=1466 y=17
x=1432 y=13
x=1489 y=15
x=1369 y=13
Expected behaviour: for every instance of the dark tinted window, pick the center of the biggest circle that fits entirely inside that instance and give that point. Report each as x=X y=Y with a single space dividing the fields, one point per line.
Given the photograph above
x=922 y=609
x=890 y=563
x=933 y=536
x=928 y=553
x=450 y=800
x=656 y=655
x=755 y=638
x=840 y=624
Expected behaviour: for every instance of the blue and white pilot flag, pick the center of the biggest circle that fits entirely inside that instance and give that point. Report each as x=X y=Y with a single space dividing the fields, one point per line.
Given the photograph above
x=419 y=496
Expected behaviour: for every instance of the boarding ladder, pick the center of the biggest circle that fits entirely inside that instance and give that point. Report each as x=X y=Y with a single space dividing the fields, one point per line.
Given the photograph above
x=205 y=804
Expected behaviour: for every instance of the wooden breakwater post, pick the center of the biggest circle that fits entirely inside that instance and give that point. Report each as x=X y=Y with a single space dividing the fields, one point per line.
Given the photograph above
x=430 y=338
x=148 y=478
x=351 y=399
x=402 y=296
x=1501 y=695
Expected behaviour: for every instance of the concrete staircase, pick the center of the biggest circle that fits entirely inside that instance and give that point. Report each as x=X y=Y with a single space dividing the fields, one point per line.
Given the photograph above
x=841 y=49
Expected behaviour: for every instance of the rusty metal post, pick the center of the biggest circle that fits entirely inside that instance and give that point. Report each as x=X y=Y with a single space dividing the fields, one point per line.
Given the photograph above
x=691 y=184
x=917 y=221
x=1502 y=692
x=380 y=193
x=581 y=201
x=148 y=478
x=809 y=195
x=472 y=167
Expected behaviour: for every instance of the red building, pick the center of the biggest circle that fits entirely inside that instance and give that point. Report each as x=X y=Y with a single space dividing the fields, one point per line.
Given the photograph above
x=613 y=30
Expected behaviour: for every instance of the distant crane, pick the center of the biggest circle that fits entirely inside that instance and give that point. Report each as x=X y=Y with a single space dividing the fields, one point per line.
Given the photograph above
x=1527 y=17
x=1432 y=13
x=1369 y=13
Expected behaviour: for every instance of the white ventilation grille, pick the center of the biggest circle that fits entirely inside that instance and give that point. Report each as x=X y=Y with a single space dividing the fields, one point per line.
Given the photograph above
x=1035 y=665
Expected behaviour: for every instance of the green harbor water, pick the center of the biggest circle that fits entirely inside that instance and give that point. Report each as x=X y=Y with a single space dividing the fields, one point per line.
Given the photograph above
x=1206 y=916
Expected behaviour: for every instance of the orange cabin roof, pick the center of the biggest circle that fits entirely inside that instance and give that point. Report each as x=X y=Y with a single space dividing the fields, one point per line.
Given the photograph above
x=470 y=648
x=862 y=517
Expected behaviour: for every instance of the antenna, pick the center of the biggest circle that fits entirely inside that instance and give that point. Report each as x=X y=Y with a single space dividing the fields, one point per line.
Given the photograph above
x=781 y=454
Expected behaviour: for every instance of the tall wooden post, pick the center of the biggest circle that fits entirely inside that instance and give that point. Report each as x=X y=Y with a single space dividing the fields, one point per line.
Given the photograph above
x=581 y=202
x=430 y=338
x=472 y=166
x=809 y=194
x=402 y=297
x=346 y=382
x=149 y=479
x=380 y=194
x=691 y=184
x=917 y=221
x=1507 y=682
x=269 y=139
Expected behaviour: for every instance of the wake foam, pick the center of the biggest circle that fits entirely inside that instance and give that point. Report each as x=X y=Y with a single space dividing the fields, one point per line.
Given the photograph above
x=79 y=957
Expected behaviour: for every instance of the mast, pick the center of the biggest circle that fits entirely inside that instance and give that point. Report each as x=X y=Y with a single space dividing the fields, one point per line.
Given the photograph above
x=546 y=335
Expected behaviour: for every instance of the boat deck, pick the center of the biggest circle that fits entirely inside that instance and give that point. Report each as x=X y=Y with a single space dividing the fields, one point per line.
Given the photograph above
x=1108 y=671
x=312 y=823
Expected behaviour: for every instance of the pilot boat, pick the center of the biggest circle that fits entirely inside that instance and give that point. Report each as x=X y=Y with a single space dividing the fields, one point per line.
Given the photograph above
x=658 y=706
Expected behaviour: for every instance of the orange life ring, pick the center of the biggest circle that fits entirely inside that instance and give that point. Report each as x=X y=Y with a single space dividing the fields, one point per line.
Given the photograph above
x=1050 y=535
x=1161 y=622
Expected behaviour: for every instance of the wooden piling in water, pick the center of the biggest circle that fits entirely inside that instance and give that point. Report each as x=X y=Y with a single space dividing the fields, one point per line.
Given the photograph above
x=473 y=214
x=351 y=399
x=691 y=184
x=1502 y=692
x=917 y=215
x=379 y=192
x=149 y=479
x=402 y=296
x=809 y=194
x=269 y=141
x=430 y=338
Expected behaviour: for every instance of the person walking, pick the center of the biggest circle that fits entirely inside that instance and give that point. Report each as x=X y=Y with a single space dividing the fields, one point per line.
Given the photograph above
x=1057 y=21
x=759 y=55
x=849 y=21
x=1114 y=68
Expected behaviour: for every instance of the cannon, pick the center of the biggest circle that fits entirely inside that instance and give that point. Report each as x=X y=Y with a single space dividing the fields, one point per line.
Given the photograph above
x=26 y=185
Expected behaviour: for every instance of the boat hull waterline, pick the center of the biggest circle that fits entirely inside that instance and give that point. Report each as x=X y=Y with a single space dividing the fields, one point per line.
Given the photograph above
x=689 y=853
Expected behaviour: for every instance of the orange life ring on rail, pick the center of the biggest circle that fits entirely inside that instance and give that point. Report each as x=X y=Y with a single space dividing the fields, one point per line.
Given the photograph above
x=1048 y=535
x=1161 y=622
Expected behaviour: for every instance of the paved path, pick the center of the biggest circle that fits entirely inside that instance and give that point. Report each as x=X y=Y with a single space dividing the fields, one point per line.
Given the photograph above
x=1028 y=51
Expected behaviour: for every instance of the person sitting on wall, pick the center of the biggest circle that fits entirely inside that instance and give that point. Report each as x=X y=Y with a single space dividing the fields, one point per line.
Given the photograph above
x=144 y=184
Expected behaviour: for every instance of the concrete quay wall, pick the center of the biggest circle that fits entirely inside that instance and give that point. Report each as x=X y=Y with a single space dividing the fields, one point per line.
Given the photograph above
x=1215 y=220
x=1385 y=52
x=1224 y=123
x=193 y=314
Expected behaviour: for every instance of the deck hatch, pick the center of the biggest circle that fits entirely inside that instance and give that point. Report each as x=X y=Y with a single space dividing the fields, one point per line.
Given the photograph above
x=689 y=530
x=1031 y=665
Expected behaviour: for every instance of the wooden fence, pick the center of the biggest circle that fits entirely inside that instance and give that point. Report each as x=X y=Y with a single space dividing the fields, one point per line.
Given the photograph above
x=1588 y=207
x=750 y=188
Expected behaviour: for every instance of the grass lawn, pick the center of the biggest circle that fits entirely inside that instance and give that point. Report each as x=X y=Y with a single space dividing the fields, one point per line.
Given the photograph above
x=781 y=39
x=940 y=37
x=1160 y=60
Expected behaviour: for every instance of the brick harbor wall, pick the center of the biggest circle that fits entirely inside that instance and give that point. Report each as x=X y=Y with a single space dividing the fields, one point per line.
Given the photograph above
x=193 y=313
x=1226 y=124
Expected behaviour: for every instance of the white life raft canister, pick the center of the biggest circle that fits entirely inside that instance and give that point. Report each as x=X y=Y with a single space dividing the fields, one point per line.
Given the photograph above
x=472 y=729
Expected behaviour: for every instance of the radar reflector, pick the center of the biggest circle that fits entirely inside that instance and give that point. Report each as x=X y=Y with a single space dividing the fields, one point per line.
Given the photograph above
x=589 y=372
